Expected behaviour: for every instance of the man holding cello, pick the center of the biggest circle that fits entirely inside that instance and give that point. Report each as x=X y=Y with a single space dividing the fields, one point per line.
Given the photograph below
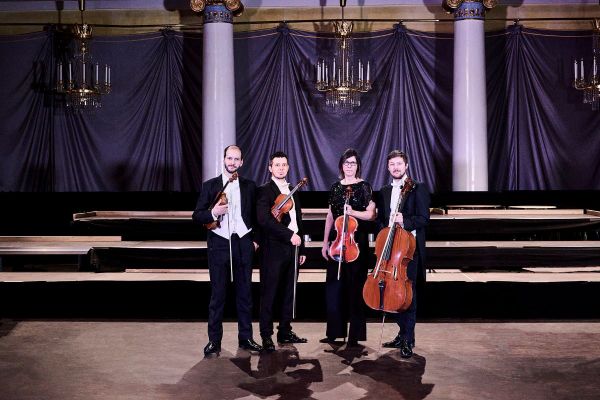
x=414 y=219
x=227 y=207
x=280 y=218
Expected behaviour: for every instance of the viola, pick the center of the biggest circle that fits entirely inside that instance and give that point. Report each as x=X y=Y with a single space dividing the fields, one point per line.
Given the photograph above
x=220 y=199
x=344 y=248
x=388 y=288
x=284 y=203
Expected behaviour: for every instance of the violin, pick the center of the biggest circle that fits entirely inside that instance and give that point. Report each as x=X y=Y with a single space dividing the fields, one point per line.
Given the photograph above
x=220 y=199
x=388 y=288
x=344 y=248
x=283 y=203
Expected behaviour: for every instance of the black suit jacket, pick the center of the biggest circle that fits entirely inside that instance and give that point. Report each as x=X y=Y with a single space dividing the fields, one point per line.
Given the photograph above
x=415 y=214
x=271 y=229
x=211 y=188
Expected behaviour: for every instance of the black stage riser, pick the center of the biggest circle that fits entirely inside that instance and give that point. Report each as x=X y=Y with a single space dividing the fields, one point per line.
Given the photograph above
x=189 y=300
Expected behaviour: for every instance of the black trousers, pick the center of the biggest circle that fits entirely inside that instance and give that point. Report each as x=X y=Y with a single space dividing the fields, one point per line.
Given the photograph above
x=242 y=251
x=407 y=319
x=345 y=302
x=276 y=277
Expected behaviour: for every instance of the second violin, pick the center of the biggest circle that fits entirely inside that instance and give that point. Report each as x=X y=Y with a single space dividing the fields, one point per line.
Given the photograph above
x=344 y=247
x=283 y=203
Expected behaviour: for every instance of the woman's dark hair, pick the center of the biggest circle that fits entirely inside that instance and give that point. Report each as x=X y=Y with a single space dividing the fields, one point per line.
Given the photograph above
x=346 y=155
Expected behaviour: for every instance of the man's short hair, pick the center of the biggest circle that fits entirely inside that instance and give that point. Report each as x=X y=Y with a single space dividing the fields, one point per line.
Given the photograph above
x=233 y=146
x=278 y=154
x=397 y=153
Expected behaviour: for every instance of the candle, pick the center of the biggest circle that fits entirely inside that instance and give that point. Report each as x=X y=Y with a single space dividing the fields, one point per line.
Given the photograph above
x=582 y=75
x=83 y=67
x=360 y=77
x=368 y=65
x=347 y=70
x=333 y=71
x=96 y=68
x=595 y=68
x=575 y=69
x=70 y=72
x=59 y=72
x=108 y=75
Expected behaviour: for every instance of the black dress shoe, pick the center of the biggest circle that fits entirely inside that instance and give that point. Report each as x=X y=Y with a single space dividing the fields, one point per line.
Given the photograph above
x=352 y=343
x=394 y=343
x=405 y=349
x=250 y=345
x=327 y=340
x=290 y=337
x=267 y=344
x=212 y=348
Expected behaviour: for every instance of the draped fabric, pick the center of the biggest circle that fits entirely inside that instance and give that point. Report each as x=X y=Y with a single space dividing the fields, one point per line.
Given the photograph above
x=409 y=106
x=541 y=136
x=147 y=135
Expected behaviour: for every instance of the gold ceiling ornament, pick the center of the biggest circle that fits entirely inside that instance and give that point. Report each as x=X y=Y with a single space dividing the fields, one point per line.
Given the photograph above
x=451 y=5
x=197 y=5
x=590 y=86
x=339 y=77
x=79 y=78
x=235 y=6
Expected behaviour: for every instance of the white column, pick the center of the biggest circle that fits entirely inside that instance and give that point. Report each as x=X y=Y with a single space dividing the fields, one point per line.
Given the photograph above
x=469 y=116
x=218 y=89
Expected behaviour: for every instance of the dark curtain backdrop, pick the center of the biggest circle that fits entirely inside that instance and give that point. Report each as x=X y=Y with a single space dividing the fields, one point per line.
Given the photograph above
x=147 y=136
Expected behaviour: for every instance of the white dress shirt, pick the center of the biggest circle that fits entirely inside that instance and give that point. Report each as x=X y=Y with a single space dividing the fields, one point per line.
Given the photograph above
x=232 y=221
x=397 y=185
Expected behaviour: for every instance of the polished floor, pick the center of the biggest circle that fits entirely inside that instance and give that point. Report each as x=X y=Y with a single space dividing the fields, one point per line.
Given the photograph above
x=67 y=359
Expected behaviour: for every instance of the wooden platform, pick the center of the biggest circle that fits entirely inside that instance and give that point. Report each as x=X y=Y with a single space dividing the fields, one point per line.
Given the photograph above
x=441 y=254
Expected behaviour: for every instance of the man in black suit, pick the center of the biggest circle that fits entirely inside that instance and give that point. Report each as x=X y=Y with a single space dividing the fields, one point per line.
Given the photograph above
x=281 y=244
x=236 y=223
x=414 y=218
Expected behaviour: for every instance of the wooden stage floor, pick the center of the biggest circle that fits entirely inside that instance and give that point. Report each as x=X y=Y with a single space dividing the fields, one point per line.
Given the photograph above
x=65 y=359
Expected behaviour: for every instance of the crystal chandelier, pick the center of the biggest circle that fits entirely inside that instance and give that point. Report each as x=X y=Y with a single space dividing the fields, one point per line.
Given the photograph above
x=591 y=86
x=340 y=78
x=79 y=79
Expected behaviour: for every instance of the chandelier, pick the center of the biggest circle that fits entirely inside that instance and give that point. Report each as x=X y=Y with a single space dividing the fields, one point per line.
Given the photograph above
x=340 y=78
x=591 y=86
x=82 y=80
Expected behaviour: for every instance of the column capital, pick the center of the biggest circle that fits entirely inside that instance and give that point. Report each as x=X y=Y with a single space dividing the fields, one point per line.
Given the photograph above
x=218 y=10
x=468 y=9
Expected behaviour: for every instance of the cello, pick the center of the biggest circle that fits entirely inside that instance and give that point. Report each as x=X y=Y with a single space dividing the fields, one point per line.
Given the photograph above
x=344 y=247
x=388 y=288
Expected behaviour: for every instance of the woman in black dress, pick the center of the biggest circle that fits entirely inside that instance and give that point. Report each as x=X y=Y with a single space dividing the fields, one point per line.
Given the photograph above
x=344 y=296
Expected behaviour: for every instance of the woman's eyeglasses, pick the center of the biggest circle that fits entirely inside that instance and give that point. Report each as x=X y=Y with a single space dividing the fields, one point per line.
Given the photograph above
x=350 y=163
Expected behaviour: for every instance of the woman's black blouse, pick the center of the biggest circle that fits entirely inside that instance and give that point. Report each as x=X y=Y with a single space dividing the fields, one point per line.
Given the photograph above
x=362 y=193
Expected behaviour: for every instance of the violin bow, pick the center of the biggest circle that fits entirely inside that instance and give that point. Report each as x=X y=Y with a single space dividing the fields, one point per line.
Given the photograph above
x=348 y=194
x=229 y=240
x=229 y=229
x=295 y=282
